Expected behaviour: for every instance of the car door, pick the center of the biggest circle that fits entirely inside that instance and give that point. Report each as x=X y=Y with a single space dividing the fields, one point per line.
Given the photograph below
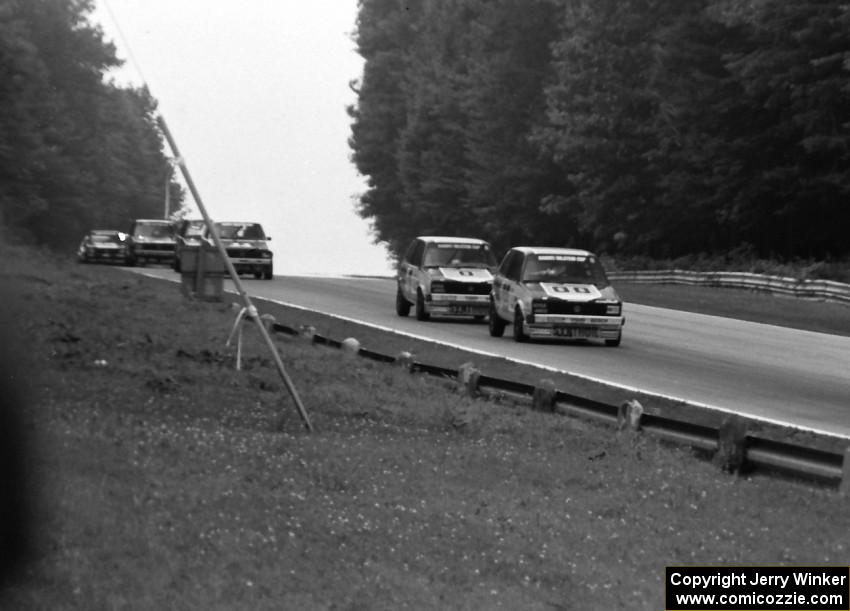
x=503 y=284
x=409 y=280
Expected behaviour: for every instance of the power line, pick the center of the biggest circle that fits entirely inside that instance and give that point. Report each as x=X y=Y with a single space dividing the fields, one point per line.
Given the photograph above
x=125 y=43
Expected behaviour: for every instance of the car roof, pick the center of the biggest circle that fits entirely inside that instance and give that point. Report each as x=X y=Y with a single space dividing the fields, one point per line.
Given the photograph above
x=457 y=240
x=164 y=221
x=551 y=250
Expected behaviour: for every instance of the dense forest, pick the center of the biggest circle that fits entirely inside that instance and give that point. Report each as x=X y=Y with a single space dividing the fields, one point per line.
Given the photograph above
x=77 y=151
x=657 y=128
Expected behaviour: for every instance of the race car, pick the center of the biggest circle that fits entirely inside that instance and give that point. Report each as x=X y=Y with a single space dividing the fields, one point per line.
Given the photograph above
x=556 y=293
x=103 y=245
x=247 y=248
x=151 y=240
x=445 y=276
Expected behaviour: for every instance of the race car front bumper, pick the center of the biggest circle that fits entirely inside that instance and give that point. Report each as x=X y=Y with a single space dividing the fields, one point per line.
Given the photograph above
x=573 y=327
x=448 y=304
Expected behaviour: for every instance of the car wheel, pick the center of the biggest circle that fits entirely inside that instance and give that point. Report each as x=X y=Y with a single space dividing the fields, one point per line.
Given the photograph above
x=614 y=342
x=519 y=327
x=402 y=305
x=421 y=314
x=496 y=324
x=268 y=275
x=258 y=275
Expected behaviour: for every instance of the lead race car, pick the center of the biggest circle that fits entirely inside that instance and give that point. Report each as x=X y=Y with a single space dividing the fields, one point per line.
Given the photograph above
x=558 y=293
x=247 y=247
x=445 y=276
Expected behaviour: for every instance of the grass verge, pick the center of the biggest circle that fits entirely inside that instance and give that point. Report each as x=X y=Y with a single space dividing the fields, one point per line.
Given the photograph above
x=166 y=479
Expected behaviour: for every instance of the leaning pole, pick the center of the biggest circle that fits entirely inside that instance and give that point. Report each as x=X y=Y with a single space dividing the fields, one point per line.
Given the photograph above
x=249 y=308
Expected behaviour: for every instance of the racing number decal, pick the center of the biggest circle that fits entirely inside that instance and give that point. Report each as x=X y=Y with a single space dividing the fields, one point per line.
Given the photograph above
x=560 y=288
x=571 y=292
x=465 y=272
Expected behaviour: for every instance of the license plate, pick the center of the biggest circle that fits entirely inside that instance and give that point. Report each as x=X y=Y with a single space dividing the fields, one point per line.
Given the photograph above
x=574 y=333
x=459 y=309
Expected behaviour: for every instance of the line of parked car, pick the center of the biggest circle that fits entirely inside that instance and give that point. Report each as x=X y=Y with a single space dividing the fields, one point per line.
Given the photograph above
x=542 y=292
x=168 y=242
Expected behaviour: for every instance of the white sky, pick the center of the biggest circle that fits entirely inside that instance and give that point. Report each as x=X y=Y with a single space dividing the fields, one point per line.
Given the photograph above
x=254 y=93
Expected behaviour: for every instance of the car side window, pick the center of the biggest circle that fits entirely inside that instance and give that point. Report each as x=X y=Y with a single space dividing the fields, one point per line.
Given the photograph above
x=516 y=267
x=511 y=265
x=505 y=264
x=416 y=256
x=408 y=254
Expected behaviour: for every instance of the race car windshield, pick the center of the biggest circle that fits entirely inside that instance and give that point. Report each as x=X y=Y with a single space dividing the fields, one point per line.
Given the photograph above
x=106 y=237
x=154 y=230
x=240 y=231
x=195 y=229
x=459 y=255
x=564 y=269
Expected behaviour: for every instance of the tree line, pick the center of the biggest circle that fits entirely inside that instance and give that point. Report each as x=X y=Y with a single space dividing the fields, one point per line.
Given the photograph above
x=77 y=151
x=657 y=128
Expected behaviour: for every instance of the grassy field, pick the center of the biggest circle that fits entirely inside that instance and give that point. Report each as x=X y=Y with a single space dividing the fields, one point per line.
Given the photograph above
x=165 y=479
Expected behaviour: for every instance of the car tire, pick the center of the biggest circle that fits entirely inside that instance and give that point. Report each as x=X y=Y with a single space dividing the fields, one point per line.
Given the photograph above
x=614 y=342
x=421 y=314
x=496 y=325
x=519 y=324
x=402 y=305
x=258 y=275
x=268 y=274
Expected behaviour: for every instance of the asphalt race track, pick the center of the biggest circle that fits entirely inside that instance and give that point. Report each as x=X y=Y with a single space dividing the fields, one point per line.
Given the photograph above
x=783 y=375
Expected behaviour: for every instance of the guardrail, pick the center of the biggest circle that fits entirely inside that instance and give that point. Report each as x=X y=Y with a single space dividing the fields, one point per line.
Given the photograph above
x=824 y=290
x=774 y=457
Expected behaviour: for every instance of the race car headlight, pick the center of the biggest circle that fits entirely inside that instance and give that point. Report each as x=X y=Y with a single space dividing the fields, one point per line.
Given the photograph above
x=613 y=309
x=438 y=287
x=267 y=255
x=539 y=307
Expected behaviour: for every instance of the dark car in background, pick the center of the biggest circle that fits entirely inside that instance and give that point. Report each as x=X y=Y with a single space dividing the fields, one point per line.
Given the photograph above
x=103 y=245
x=151 y=241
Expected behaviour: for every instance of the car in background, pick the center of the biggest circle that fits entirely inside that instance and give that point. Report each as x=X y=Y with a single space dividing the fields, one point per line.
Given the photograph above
x=188 y=234
x=103 y=245
x=556 y=293
x=151 y=241
x=445 y=276
x=247 y=248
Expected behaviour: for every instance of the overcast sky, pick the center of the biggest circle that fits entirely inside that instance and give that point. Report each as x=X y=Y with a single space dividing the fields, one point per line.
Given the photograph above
x=255 y=93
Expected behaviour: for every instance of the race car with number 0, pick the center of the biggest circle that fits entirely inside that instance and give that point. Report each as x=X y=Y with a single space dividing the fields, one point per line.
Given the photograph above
x=556 y=293
x=445 y=276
